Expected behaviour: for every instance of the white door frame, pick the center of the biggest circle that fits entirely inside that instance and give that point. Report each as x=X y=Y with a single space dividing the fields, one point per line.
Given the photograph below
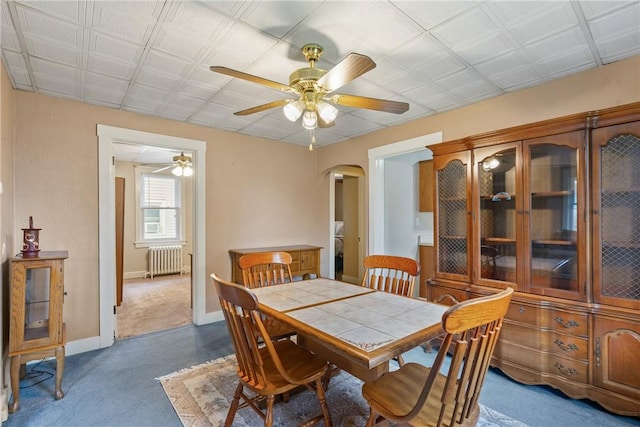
x=107 y=136
x=377 y=157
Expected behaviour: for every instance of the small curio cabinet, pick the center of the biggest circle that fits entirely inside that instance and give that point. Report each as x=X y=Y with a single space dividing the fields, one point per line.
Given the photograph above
x=36 y=327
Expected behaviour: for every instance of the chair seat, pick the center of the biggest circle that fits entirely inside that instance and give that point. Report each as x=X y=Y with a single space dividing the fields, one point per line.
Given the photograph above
x=302 y=365
x=395 y=393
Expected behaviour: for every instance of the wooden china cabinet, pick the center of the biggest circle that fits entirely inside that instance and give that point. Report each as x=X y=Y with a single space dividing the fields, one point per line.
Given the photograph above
x=551 y=209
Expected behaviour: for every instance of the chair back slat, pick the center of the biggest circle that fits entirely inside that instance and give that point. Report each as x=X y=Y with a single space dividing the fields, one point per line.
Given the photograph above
x=391 y=274
x=265 y=269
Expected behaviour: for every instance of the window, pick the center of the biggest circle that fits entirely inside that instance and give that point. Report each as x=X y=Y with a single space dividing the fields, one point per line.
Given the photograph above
x=159 y=208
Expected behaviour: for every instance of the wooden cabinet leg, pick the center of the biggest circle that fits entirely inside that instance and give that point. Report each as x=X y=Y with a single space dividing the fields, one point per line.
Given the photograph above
x=59 y=371
x=14 y=405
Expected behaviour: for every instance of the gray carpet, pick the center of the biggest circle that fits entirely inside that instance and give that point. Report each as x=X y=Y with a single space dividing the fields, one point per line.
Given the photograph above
x=117 y=387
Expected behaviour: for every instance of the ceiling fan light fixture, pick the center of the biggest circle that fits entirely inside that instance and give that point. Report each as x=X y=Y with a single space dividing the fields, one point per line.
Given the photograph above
x=327 y=112
x=293 y=110
x=309 y=120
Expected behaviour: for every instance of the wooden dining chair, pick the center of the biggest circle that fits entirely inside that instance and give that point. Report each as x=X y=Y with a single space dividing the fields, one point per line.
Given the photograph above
x=266 y=269
x=422 y=396
x=393 y=274
x=266 y=368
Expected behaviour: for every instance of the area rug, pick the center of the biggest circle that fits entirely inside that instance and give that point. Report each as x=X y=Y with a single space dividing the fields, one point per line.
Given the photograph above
x=201 y=396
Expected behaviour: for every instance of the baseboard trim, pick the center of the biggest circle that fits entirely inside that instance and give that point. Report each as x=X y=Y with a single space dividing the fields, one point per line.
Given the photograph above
x=350 y=279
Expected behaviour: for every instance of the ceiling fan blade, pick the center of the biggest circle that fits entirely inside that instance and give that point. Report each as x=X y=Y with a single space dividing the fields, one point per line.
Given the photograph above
x=354 y=65
x=250 y=77
x=370 y=103
x=262 y=107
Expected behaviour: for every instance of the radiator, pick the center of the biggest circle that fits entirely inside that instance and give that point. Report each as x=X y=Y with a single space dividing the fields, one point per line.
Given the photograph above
x=165 y=260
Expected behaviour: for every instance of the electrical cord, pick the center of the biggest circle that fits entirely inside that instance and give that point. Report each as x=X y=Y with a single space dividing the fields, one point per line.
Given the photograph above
x=34 y=372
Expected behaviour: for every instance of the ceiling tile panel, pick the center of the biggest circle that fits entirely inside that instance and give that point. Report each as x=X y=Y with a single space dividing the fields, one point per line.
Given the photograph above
x=466 y=29
x=68 y=10
x=166 y=64
x=425 y=55
x=120 y=20
x=55 y=52
x=110 y=67
x=620 y=47
x=596 y=9
x=36 y=25
x=536 y=22
x=431 y=14
x=120 y=50
x=277 y=17
x=181 y=45
x=153 y=56
x=196 y=20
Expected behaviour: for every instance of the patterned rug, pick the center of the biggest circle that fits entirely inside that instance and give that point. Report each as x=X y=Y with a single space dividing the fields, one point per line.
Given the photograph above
x=201 y=396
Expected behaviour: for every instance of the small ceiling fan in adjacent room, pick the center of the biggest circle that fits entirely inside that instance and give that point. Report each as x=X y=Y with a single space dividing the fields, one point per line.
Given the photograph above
x=181 y=166
x=313 y=89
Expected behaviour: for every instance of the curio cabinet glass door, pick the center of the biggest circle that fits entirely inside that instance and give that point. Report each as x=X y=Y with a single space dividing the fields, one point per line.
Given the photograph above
x=554 y=211
x=452 y=216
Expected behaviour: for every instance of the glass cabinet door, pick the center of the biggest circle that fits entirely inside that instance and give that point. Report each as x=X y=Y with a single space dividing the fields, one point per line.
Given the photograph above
x=37 y=296
x=452 y=183
x=616 y=220
x=555 y=206
x=497 y=197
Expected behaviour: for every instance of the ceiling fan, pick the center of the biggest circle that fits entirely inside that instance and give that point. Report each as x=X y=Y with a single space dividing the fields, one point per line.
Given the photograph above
x=314 y=89
x=181 y=166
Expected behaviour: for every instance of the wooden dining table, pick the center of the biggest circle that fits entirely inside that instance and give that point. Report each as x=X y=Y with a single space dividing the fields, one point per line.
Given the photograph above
x=356 y=328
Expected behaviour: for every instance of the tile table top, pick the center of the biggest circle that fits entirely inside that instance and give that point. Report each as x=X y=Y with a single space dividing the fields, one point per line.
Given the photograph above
x=306 y=293
x=370 y=321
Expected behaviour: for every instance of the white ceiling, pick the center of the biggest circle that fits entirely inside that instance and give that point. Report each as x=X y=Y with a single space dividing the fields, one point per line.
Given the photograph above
x=153 y=57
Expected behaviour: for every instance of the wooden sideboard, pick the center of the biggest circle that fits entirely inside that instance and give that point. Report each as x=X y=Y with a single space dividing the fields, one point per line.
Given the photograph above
x=306 y=260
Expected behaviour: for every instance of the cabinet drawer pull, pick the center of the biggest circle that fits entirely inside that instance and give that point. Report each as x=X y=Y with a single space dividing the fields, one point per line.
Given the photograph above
x=570 y=347
x=566 y=371
x=521 y=309
x=569 y=324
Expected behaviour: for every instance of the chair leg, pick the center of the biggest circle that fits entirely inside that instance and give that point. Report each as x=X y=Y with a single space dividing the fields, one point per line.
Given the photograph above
x=323 y=403
x=371 y=422
x=268 y=420
x=234 y=406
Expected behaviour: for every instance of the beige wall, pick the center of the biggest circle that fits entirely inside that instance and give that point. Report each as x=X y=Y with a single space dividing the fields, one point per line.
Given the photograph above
x=258 y=192
x=7 y=231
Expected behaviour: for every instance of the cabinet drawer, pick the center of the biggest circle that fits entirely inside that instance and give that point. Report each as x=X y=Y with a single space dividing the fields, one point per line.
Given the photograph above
x=543 y=362
x=564 y=321
x=554 y=342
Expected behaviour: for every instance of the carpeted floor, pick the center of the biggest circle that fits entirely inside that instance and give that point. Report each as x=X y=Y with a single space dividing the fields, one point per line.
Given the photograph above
x=117 y=386
x=201 y=396
x=150 y=305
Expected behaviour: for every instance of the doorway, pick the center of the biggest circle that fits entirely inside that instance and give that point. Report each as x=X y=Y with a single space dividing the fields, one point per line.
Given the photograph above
x=346 y=223
x=377 y=199
x=153 y=290
x=107 y=136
